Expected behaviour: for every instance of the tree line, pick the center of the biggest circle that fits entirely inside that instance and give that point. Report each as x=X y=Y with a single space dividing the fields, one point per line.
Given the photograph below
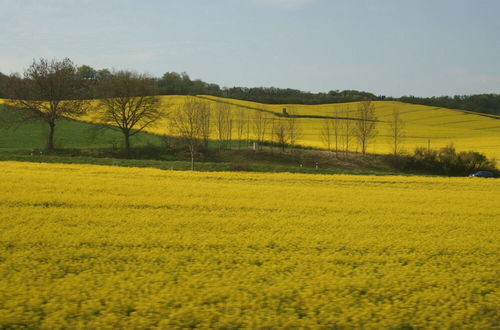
x=483 y=103
x=50 y=90
x=337 y=135
x=172 y=83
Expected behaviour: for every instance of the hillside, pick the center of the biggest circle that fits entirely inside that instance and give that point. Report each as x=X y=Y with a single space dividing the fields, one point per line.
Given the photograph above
x=423 y=124
x=70 y=134
x=467 y=130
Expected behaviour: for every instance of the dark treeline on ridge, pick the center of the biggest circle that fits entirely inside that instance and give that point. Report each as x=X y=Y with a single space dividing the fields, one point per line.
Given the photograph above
x=275 y=95
x=51 y=91
x=484 y=103
x=172 y=83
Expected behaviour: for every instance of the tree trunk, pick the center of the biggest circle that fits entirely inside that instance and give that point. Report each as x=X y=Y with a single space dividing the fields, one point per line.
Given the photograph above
x=50 y=140
x=192 y=160
x=127 y=141
x=336 y=146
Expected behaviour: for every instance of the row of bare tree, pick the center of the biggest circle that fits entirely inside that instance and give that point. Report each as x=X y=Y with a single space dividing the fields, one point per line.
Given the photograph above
x=52 y=90
x=338 y=132
x=191 y=122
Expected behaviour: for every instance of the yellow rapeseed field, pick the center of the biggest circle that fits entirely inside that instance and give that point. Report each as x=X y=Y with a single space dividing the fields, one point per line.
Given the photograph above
x=422 y=124
x=85 y=246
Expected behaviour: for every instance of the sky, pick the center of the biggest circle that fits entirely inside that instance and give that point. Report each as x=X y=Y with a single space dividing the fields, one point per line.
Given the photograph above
x=387 y=47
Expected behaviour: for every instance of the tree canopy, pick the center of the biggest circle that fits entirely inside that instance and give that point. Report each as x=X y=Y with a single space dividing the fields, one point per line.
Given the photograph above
x=173 y=83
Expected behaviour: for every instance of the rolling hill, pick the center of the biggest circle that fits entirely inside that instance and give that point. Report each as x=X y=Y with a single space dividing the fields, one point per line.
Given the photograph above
x=70 y=134
x=423 y=125
x=441 y=126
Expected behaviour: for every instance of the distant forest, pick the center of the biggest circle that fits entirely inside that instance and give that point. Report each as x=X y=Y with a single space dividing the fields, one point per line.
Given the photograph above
x=484 y=103
x=172 y=83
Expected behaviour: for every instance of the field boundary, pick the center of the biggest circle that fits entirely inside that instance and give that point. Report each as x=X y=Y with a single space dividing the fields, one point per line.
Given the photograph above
x=278 y=114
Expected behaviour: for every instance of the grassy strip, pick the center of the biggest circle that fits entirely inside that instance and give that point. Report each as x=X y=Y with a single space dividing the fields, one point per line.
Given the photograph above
x=31 y=134
x=181 y=165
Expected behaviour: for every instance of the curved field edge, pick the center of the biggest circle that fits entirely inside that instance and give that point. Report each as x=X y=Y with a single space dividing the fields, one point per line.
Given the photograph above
x=424 y=125
x=109 y=247
x=467 y=130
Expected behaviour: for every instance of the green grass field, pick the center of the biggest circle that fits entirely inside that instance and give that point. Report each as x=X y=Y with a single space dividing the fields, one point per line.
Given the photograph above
x=70 y=134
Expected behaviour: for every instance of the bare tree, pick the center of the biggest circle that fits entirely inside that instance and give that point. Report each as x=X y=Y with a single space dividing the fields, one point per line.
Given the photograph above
x=293 y=129
x=128 y=103
x=260 y=123
x=188 y=123
x=364 y=130
x=271 y=134
x=241 y=124
x=230 y=132
x=326 y=134
x=280 y=133
x=248 y=119
x=50 y=90
x=396 y=132
x=332 y=132
x=346 y=129
x=205 y=117
x=223 y=124
x=336 y=128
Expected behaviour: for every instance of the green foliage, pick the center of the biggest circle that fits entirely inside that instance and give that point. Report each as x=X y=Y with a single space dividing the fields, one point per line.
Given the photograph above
x=484 y=103
x=275 y=95
x=86 y=72
x=3 y=83
x=447 y=161
x=173 y=83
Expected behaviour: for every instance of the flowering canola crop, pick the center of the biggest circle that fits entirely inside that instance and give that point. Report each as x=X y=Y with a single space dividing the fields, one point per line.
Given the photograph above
x=423 y=125
x=85 y=246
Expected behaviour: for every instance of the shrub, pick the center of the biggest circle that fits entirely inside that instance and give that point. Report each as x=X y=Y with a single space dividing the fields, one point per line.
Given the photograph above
x=447 y=161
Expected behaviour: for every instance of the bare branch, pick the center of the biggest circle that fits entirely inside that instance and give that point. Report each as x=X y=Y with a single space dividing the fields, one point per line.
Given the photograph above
x=50 y=90
x=364 y=130
x=128 y=102
x=189 y=122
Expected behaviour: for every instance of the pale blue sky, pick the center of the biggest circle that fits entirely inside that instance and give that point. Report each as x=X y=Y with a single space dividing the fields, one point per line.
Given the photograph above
x=389 y=47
